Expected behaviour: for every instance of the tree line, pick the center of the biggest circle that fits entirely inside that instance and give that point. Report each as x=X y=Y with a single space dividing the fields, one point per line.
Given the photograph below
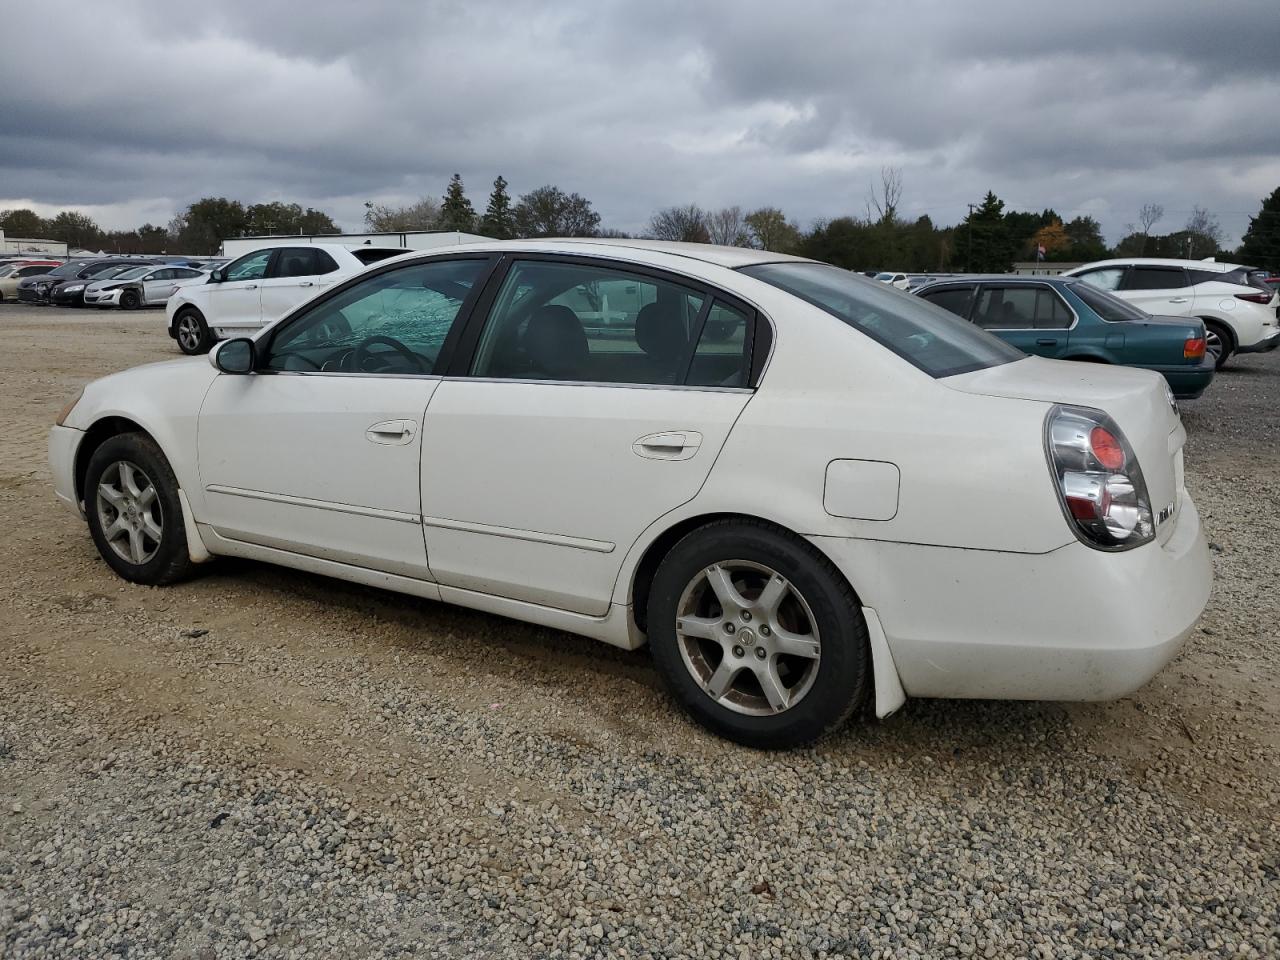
x=989 y=239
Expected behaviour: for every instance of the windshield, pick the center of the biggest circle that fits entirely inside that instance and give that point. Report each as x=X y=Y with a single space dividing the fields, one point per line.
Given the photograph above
x=1104 y=304
x=67 y=270
x=128 y=273
x=885 y=276
x=928 y=337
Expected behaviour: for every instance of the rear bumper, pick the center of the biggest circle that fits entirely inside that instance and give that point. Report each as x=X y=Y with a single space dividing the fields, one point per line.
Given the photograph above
x=1265 y=345
x=1071 y=624
x=1188 y=382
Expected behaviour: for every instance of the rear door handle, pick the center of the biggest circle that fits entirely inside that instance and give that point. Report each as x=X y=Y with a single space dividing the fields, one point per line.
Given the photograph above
x=1179 y=299
x=251 y=286
x=394 y=432
x=306 y=283
x=670 y=445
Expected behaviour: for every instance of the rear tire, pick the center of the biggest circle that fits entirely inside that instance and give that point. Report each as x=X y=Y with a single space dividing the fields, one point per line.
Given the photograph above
x=758 y=635
x=135 y=515
x=192 y=332
x=1219 y=342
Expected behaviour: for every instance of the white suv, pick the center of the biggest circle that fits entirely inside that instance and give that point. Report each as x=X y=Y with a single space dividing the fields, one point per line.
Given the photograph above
x=248 y=293
x=1238 y=310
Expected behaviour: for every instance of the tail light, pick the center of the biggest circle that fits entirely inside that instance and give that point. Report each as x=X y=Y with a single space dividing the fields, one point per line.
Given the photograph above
x=1193 y=349
x=1099 y=482
x=1255 y=297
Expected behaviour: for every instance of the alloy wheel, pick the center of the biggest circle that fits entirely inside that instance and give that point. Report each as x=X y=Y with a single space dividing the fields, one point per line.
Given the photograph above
x=1213 y=343
x=748 y=638
x=189 y=332
x=129 y=512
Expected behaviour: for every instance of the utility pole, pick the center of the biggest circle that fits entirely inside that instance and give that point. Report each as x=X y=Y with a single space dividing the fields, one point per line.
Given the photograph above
x=968 y=254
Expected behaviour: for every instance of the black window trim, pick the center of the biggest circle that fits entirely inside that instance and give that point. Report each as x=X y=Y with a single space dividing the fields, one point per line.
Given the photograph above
x=1075 y=317
x=265 y=339
x=759 y=330
x=971 y=286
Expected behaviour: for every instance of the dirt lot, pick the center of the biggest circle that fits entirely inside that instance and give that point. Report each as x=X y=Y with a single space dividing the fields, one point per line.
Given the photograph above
x=262 y=762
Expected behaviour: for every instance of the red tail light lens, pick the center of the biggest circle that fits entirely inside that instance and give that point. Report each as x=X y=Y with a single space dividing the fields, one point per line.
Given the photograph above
x=1099 y=482
x=1255 y=297
x=1193 y=349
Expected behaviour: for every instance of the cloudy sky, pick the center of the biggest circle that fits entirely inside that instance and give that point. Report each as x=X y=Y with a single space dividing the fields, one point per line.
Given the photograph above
x=131 y=110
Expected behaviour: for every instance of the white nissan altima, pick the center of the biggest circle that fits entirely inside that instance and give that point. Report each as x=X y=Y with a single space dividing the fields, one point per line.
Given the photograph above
x=804 y=490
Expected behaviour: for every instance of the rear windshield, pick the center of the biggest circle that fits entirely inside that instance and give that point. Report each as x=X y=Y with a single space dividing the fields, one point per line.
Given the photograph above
x=928 y=337
x=368 y=255
x=1104 y=304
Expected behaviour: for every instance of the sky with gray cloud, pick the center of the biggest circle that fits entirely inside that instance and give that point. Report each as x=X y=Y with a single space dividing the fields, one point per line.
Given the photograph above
x=131 y=110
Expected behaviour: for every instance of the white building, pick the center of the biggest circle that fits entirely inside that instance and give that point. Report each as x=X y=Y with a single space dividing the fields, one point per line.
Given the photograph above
x=25 y=245
x=412 y=240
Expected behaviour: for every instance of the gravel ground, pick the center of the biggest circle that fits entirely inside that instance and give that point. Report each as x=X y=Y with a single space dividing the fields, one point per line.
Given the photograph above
x=265 y=763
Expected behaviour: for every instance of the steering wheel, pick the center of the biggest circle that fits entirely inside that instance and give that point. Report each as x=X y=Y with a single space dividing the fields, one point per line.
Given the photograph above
x=360 y=355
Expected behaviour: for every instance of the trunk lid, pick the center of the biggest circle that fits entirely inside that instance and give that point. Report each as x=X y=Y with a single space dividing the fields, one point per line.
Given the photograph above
x=1138 y=401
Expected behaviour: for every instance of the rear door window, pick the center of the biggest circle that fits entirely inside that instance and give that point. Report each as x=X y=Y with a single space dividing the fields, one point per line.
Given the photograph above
x=295 y=262
x=1155 y=278
x=1023 y=307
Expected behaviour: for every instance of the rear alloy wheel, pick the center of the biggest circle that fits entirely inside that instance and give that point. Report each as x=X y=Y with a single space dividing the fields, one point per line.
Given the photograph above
x=129 y=300
x=1218 y=343
x=192 y=332
x=134 y=513
x=758 y=635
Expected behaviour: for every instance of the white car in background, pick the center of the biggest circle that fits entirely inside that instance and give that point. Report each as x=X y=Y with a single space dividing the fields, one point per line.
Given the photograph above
x=899 y=280
x=252 y=291
x=149 y=286
x=843 y=496
x=1238 y=309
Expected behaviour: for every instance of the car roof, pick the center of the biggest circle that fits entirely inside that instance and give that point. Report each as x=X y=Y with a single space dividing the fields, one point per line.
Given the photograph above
x=730 y=257
x=1215 y=266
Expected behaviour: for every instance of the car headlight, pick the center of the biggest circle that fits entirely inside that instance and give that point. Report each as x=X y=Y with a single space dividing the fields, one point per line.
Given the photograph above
x=66 y=411
x=74 y=288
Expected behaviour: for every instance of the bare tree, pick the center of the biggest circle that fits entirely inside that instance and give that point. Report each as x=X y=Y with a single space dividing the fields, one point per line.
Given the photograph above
x=728 y=227
x=688 y=223
x=882 y=207
x=422 y=215
x=1204 y=233
x=1149 y=216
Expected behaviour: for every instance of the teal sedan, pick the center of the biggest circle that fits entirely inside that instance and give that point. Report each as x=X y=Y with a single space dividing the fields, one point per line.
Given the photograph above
x=1066 y=319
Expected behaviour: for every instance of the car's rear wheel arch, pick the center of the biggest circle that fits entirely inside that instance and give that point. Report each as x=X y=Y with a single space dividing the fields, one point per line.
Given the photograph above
x=651 y=559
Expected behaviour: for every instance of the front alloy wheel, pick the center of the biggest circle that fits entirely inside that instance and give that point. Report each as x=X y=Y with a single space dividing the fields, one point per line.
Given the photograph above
x=129 y=512
x=192 y=333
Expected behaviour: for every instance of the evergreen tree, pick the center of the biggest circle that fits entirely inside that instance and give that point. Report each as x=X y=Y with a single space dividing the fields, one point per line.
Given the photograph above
x=499 y=221
x=1261 y=246
x=985 y=244
x=457 y=213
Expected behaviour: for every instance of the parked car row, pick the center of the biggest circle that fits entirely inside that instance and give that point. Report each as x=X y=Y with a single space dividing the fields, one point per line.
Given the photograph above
x=116 y=281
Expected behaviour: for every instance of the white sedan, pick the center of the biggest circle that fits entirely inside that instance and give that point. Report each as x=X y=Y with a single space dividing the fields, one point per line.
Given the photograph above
x=145 y=286
x=803 y=490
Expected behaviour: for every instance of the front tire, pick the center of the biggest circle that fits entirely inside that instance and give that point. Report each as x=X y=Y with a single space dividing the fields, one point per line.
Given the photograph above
x=1219 y=343
x=135 y=515
x=193 y=334
x=758 y=635
x=129 y=300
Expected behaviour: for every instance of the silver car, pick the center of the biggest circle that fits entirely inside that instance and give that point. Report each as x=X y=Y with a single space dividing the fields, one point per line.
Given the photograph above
x=146 y=286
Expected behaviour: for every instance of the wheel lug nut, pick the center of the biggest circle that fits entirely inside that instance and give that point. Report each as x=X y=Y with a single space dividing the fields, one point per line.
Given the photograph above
x=739 y=652
x=729 y=628
x=760 y=653
x=746 y=616
x=765 y=631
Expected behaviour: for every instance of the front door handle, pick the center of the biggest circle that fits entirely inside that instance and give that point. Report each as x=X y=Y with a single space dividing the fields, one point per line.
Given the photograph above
x=306 y=283
x=1046 y=342
x=394 y=432
x=1179 y=299
x=251 y=286
x=669 y=445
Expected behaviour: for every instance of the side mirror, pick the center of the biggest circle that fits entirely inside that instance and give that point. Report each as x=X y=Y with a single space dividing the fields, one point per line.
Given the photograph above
x=217 y=276
x=233 y=356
